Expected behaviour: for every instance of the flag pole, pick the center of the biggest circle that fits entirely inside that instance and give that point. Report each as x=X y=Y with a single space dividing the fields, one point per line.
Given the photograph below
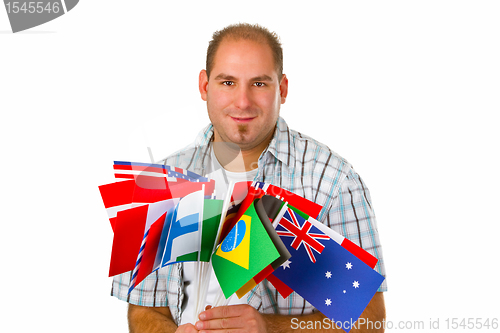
x=220 y=299
x=198 y=266
x=206 y=276
x=200 y=221
x=225 y=207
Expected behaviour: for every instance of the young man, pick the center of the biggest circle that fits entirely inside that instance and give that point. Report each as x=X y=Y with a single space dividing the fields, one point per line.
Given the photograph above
x=244 y=88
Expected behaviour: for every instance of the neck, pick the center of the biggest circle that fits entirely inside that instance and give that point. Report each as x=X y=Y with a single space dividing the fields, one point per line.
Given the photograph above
x=233 y=159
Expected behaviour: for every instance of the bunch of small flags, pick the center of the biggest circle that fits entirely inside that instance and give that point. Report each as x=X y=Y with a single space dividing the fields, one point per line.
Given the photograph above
x=161 y=215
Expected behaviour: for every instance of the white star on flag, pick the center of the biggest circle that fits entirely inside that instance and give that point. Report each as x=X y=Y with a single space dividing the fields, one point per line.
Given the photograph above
x=328 y=302
x=328 y=274
x=286 y=264
x=348 y=265
x=355 y=284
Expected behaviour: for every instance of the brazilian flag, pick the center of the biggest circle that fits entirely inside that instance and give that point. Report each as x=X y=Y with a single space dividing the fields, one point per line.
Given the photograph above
x=245 y=252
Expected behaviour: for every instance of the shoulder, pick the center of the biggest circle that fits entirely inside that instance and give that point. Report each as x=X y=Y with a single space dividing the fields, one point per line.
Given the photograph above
x=192 y=156
x=323 y=173
x=302 y=147
x=306 y=144
x=318 y=159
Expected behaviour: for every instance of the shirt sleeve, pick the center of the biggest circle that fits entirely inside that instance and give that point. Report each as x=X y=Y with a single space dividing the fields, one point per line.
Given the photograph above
x=161 y=288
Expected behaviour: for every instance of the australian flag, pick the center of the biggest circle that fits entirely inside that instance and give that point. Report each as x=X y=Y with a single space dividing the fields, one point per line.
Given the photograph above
x=324 y=273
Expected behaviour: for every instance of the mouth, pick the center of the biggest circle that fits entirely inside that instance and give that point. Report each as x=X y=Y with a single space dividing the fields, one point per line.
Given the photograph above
x=242 y=120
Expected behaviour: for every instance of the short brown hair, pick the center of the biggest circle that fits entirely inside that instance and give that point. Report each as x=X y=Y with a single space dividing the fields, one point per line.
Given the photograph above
x=253 y=32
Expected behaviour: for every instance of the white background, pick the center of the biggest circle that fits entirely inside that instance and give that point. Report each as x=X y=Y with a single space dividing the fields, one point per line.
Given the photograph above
x=408 y=92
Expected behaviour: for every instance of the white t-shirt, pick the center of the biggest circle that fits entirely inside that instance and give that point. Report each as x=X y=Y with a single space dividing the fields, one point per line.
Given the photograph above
x=222 y=179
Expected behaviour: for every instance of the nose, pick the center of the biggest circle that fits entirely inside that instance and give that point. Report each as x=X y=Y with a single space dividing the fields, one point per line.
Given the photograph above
x=243 y=98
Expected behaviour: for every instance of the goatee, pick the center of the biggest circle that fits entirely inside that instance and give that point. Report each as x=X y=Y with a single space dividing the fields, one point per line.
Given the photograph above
x=242 y=129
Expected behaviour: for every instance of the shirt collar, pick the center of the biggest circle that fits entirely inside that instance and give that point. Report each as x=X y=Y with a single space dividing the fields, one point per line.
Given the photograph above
x=281 y=145
x=205 y=136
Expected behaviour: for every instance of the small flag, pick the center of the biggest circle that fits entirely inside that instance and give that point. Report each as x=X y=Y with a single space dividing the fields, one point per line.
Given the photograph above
x=244 y=252
x=267 y=209
x=211 y=217
x=142 y=188
x=236 y=212
x=128 y=234
x=131 y=170
x=212 y=210
x=153 y=189
x=360 y=253
x=324 y=273
x=183 y=240
x=149 y=250
x=117 y=197
x=132 y=229
x=308 y=207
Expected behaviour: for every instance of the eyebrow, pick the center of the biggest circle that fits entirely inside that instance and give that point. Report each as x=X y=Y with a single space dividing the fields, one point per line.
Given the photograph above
x=223 y=76
x=262 y=78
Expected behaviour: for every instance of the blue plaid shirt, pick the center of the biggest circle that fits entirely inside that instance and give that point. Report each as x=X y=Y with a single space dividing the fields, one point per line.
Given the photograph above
x=293 y=162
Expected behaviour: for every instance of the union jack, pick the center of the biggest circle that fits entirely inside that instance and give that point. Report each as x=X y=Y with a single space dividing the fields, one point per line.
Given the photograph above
x=301 y=234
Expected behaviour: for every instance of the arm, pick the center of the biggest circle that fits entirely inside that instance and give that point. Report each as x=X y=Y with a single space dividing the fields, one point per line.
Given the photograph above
x=246 y=317
x=374 y=312
x=150 y=319
x=154 y=320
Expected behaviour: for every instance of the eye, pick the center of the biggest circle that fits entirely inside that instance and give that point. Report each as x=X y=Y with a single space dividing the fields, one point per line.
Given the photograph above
x=259 y=84
x=228 y=83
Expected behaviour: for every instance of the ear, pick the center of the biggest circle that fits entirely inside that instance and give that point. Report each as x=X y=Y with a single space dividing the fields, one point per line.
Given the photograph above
x=283 y=88
x=203 y=84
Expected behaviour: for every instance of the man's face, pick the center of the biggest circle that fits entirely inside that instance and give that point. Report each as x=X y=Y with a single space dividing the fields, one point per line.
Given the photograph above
x=243 y=94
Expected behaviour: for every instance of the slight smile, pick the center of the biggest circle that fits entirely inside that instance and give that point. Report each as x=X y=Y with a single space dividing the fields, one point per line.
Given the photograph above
x=242 y=120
